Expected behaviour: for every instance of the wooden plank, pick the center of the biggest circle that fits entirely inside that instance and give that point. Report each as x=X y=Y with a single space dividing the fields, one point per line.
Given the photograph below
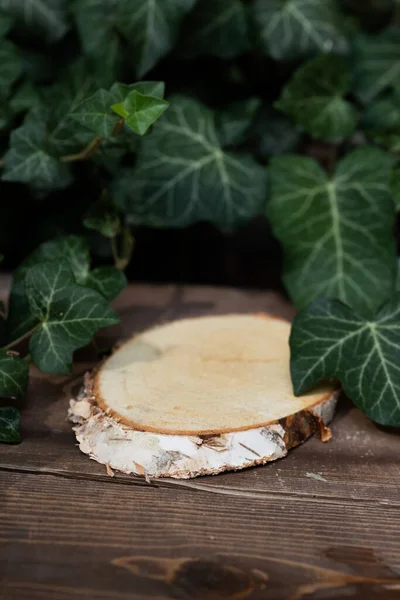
x=103 y=540
x=360 y=462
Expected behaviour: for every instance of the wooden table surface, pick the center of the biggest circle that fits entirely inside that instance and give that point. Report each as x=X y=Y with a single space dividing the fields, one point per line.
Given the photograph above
x=324 y=522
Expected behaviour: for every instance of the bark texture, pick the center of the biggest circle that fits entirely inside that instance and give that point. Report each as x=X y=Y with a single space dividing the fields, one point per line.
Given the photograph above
x=153 y=455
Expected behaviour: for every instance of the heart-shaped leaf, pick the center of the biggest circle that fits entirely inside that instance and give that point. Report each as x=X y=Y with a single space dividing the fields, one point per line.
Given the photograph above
x=183 y=175
x=336 y=233
x=151 y=28
x=314 y=98
x=68 y=314
x=95 y=113
x=329 y=339
x=28 y=160
x=289 y=29
x=48 y=18
x=381 y=121
x=140 y=111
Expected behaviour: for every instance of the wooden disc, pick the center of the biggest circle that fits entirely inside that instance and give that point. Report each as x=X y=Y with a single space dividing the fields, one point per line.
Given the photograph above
x=207 y=375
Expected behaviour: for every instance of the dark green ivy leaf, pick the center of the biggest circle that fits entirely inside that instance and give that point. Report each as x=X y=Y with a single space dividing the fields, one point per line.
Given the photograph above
x=290 y=29
x=381 y=121
x=376 y=63
x=97 y=22
x=95 y=113
x=13 y=375
x=9 y=425
x=217 y=27
x=314 y=98
x=234 y=122
x=72 y=250
x=29 y=161
x=336 y=233
x=151 y=28
x=140 y=111
x=330 y=340
x=69 y=315
x=183 y=175
x=10 y=67
x=48 y=18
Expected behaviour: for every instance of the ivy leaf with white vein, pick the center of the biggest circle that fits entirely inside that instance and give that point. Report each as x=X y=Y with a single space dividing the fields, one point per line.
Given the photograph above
x=376 y=63
x=151 y=28
x=95 y=113
x=13 y=375
x=45 y=17
x=314 y=98
x=69 y=315
x=30 y=160
x=216 y=27
x=336 y=233
x=289 y=29
x=330 y=340
x=183 y=175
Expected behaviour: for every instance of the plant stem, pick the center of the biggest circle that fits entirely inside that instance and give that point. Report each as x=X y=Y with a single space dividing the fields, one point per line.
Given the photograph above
x=85 y=153
x=114 y=250
x=18 y=340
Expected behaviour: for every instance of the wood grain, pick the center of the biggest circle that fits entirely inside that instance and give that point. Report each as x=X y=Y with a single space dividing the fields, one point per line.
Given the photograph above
x=322 y=523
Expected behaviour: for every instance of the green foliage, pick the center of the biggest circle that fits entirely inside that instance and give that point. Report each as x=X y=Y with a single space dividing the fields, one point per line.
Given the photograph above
x=184 y=175
x=290 y=29
x=314 y=98
x=9 y=425
x=330 y=340
x=101 y=154
x=336 y=232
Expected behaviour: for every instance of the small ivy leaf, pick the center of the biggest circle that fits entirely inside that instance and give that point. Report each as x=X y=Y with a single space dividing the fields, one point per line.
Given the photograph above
x=25 y=97
x=290 y=29
x=314 y=98
x=151 y=28
x=330 y=340
x=6 y=23
x=47 y=18
x=182 y=175
x=376 y=63
x=13 y=375
x=381 y=121
x=119 y=91
x=95 y=113
x=234 y=122
x=336 y=233
x=216 y=27
x=10 y=67
x=103 y=217
x=28 y=161
x=273 y=133
x=9 y=425
x=140 y=111
x=69 y=315
x=109 y=281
